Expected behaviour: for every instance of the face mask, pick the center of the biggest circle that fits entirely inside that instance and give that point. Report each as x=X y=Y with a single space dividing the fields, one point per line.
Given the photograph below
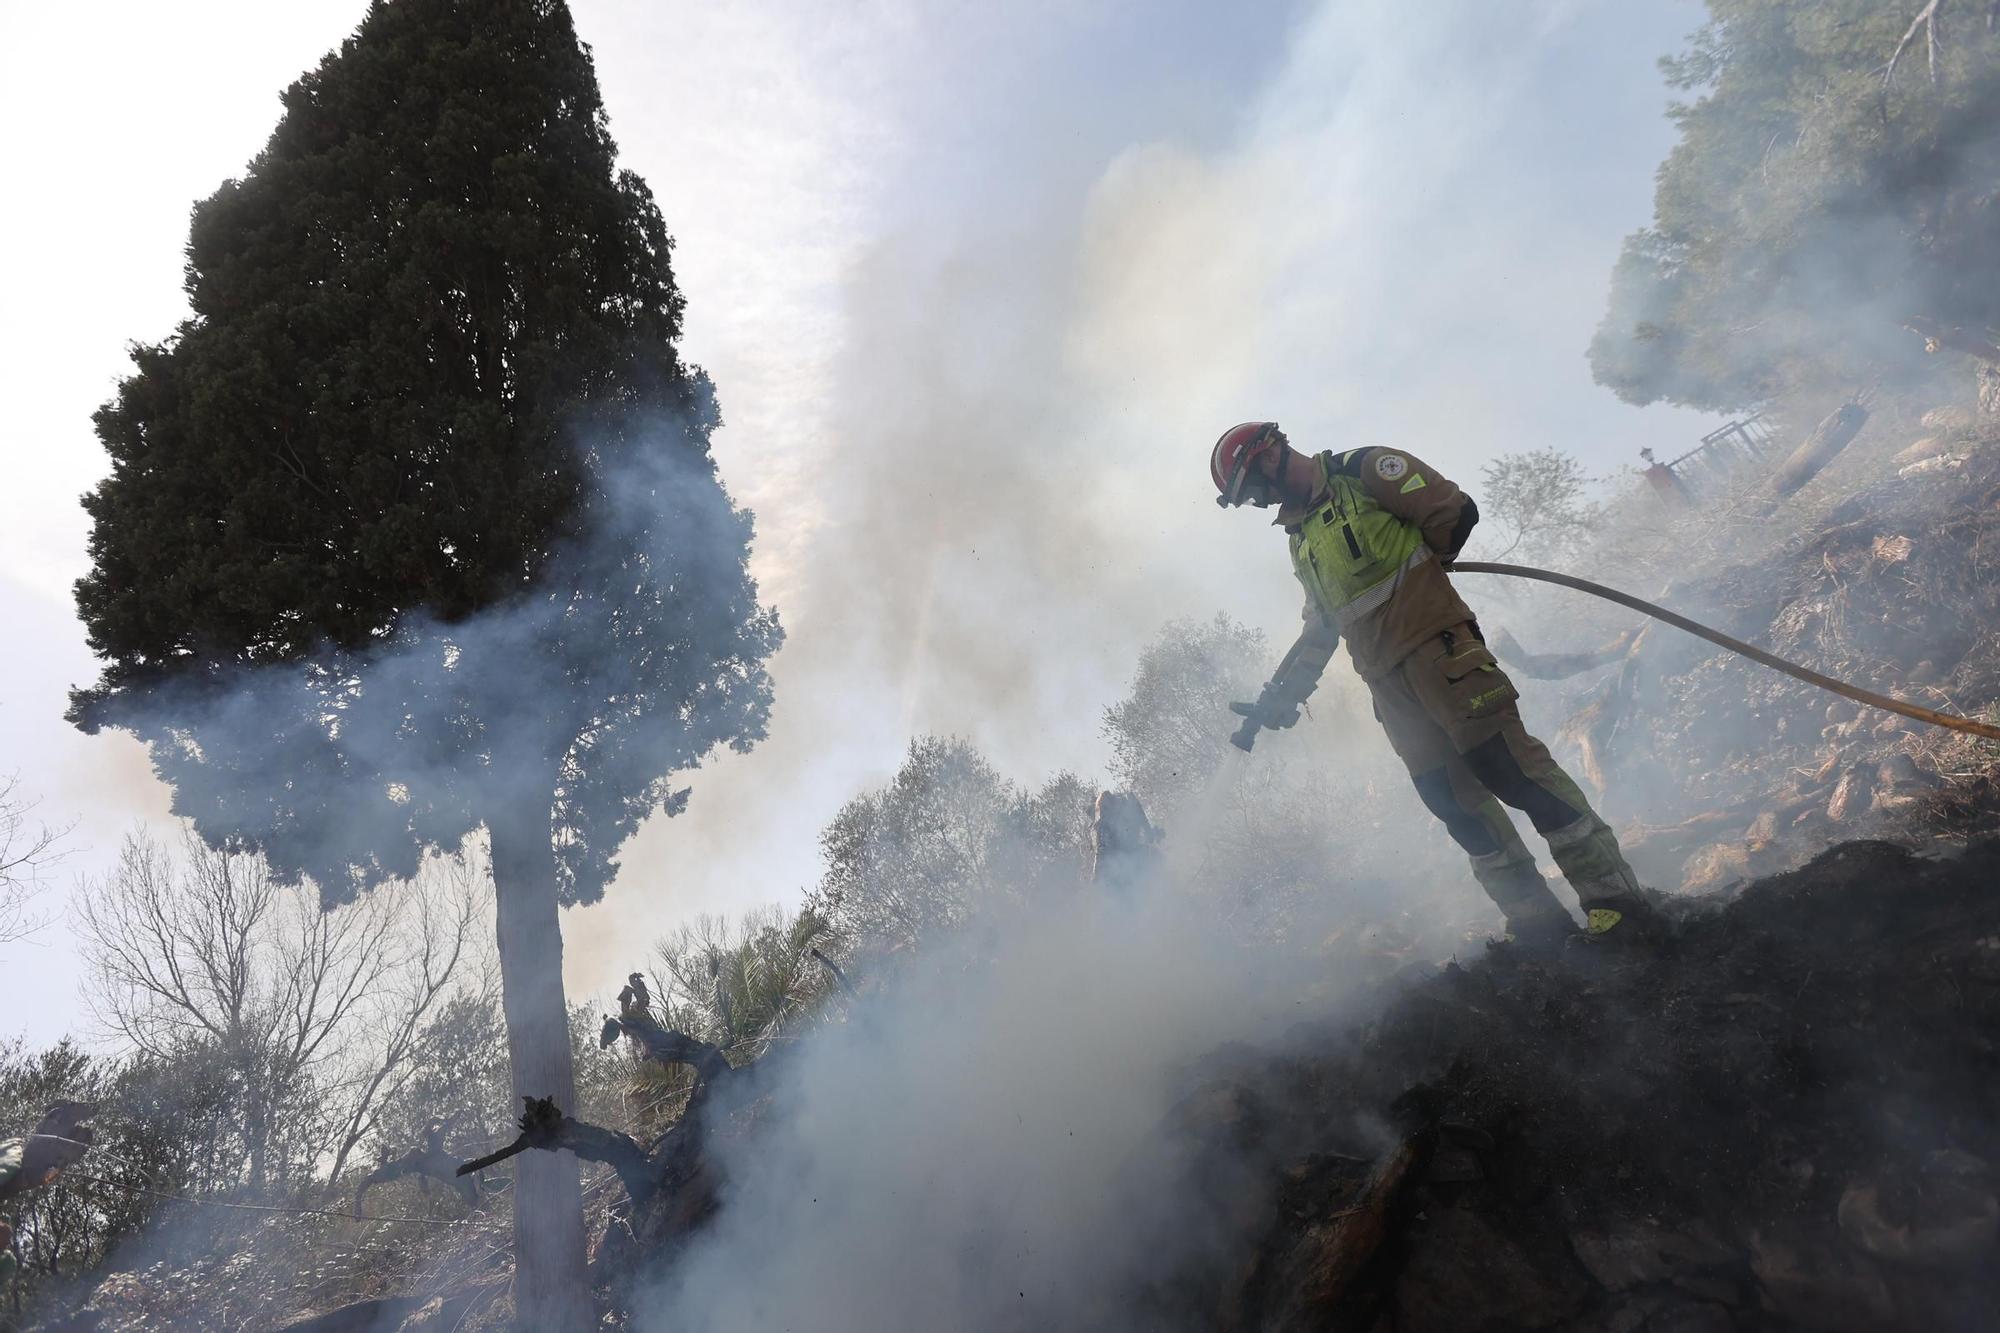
x=1261 y=492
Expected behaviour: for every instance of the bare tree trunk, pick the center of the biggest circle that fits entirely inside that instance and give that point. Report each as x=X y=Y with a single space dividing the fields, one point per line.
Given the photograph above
x=544 y=1126
x=550 y=1291
x=256 y=1129
x=1827 y=439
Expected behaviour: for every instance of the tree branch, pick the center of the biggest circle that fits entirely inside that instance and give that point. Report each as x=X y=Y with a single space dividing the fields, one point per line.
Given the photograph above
x=668 y=1047
x=838 y=975
x=1927 y=20
x=544 y=1126
x=1937 y=337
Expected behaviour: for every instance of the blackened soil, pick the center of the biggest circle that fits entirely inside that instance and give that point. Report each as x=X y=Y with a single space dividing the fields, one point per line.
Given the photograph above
x=1784 y=1117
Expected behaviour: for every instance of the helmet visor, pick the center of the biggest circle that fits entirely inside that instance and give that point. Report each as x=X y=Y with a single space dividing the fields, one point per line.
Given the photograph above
x=1247 y=482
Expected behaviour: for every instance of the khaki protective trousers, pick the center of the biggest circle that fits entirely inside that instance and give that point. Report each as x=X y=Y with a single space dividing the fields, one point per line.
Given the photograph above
x=1452 y=716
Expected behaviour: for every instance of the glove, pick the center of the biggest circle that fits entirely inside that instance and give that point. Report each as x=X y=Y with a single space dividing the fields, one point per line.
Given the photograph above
x=1271 y=711
x=1269 y=716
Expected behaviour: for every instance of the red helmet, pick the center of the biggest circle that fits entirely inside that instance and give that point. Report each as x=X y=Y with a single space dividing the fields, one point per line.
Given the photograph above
x=1231 y=464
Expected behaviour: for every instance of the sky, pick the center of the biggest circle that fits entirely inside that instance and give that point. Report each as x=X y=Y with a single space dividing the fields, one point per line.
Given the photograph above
x=978 y=286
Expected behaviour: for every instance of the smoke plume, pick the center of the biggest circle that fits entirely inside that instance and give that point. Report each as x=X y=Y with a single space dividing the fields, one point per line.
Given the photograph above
x=980 y=1144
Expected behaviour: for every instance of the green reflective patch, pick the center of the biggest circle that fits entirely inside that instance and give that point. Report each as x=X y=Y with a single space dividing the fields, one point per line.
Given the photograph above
x=1602 y=919
x=1415 y=483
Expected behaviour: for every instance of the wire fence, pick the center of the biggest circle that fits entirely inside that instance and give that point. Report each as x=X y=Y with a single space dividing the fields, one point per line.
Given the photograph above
x=199 y=1201
x=260 y=1207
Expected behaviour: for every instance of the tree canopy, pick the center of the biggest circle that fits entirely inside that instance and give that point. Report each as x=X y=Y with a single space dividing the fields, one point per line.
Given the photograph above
x=1835 y=174
x=1171 y=731
x=413 y=518
x=943 y=839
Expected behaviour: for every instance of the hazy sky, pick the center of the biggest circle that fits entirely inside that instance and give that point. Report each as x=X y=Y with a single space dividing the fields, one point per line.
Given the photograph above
x=978 y=286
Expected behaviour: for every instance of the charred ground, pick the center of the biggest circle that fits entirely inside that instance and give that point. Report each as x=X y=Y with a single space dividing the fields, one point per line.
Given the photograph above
x=1783 y=1118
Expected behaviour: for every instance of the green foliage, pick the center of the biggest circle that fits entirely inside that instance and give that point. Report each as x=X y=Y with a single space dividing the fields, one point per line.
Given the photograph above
x=1172 y=729
x=1809 y=206
x=457 y=1071
x=413 y=521
x=744 y=984
x=155 y=1126
x=1534 y=506
x=947 y=834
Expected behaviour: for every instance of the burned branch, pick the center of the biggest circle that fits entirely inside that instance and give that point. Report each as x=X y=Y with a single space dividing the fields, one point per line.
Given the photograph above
x=636 y=999
x=1937 y=337
x=834 y=968
x=544 y=1126
x=65 y=1119
x=1559 y=666
x=427 y=1162
x=668 y=1047
x=59 y=1140
x=1827 y=439
x=39 y=1159
x=1125 y=843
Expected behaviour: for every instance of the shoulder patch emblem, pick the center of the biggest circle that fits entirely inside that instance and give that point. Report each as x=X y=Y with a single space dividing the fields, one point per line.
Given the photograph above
x=1391 y=466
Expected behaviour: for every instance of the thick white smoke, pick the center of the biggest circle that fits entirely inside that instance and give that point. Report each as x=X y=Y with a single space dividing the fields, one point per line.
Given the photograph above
x=978 y=1144
x=1030 y=262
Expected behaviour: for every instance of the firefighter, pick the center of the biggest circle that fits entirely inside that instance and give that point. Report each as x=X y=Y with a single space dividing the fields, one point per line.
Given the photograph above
x=1372 y=533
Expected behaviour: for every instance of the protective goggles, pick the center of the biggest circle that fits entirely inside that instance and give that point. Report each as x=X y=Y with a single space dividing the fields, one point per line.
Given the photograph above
x=1247 y=485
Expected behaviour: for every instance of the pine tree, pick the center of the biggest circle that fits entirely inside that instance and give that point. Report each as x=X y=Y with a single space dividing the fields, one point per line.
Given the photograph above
x=412 y=526
x=1834 y=177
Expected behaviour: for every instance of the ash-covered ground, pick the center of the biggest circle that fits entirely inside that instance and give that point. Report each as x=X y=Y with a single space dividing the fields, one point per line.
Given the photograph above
x=1786 y=1117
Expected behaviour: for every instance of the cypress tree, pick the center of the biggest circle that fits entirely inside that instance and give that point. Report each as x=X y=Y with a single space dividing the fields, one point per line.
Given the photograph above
x=412 y=526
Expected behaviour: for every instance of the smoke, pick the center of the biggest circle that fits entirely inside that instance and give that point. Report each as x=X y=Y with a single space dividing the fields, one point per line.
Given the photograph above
x=640 y=648
x=1032 y=279
x=980 y=1144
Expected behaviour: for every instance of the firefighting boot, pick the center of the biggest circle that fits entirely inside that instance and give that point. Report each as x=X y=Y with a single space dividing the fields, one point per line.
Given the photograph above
x=1536 y=919
x=1614 y=905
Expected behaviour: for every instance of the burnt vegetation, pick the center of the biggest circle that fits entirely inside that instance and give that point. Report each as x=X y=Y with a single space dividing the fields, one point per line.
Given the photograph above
x=1783 y=1116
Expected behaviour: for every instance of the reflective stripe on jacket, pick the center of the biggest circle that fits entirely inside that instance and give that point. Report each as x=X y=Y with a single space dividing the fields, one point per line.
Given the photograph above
x=1384 y=591
x=1349 y=552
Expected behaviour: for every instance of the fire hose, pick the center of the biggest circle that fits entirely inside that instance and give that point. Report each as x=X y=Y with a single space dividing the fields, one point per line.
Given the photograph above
x=1254 y=718
x=1751 y=651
